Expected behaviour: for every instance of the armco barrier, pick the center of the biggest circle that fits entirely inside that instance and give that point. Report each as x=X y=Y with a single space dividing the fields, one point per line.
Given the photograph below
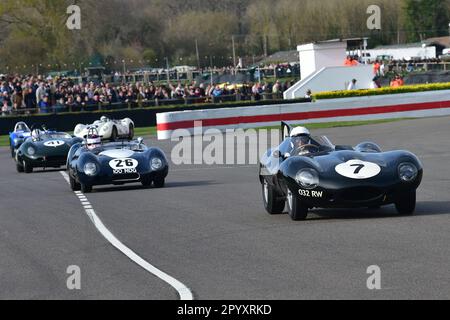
x=408 y=105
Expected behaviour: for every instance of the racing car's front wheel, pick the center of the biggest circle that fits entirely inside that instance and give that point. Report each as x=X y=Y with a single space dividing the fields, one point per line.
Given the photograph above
x=74 y=185
x=85 y=188
x=298 y=211
x=159 y=182
x=272 y=203
x=131 y=132
x=19 y=167
x=406 y=203
x=27 y=168
x=114 y=134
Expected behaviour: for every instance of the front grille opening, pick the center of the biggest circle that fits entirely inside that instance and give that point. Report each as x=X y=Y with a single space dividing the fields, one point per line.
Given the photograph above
x=361 y=194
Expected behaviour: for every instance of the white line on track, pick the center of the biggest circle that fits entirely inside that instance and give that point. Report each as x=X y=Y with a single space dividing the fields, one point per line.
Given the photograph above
x=183 y=291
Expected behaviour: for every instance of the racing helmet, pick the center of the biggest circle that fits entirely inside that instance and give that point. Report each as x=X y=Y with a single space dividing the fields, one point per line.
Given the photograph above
x=93 y=139
x=104 y=119
x=300 y=136
x=93 y=142
x=300 y=131
x=35 y=134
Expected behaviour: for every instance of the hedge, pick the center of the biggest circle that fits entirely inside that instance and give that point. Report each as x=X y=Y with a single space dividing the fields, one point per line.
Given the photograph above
x=381 y=91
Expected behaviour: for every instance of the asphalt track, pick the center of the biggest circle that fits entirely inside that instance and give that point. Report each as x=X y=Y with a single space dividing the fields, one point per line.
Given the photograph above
x=208 y=229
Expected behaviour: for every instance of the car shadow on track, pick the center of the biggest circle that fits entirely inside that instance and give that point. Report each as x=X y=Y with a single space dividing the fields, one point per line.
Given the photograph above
x=424 y=208
x=40 y=171
x=169 y=185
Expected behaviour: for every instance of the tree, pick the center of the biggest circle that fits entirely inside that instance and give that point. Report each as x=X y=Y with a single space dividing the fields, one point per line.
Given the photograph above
x=426 y=18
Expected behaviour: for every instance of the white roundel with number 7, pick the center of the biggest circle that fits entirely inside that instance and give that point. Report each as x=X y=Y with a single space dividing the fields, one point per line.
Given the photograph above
x=357 y=169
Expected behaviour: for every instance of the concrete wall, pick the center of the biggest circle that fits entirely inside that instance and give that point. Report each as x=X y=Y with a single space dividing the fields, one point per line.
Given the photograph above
x=315 y=56
x=408 y=105
x=332 y=79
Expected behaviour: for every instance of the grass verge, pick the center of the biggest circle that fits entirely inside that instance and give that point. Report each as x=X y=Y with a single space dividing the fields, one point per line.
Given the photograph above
x=151 y=131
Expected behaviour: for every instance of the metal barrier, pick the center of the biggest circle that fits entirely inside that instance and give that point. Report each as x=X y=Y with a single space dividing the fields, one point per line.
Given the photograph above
x=91 y=107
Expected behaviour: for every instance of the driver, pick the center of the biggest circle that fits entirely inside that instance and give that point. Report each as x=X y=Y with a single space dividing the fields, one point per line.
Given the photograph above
x=104 y=119
x=300 y=137
x=94 y=141
x=35 y=134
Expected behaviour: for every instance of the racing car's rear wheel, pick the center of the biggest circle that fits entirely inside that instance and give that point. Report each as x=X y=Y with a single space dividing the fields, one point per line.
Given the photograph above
x=272 y=203
x=114 y=134
x=74 y=185
x=19 y=167
x=297 y=210
x=27 y=168
x=85 y=188
x=406 y=203
x=159 y=182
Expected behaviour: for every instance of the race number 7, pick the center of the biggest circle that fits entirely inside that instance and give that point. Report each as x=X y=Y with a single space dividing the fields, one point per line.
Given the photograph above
x=359 y=167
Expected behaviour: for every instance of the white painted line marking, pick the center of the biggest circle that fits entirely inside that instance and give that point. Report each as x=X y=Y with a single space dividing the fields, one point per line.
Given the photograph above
x=183 y=291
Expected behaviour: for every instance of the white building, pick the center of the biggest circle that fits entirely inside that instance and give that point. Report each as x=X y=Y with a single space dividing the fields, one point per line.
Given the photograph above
x=322 y=69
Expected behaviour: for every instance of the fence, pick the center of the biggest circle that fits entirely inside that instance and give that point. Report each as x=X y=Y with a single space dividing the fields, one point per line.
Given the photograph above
x=256 y=74
x=101 y=106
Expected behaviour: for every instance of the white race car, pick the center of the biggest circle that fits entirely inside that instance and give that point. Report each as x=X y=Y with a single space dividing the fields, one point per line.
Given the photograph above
x=108 y=129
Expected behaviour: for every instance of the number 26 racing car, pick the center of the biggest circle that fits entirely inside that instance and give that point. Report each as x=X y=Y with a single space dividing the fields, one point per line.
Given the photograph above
x=93 y=163
x=308 y=172
x=44 y=149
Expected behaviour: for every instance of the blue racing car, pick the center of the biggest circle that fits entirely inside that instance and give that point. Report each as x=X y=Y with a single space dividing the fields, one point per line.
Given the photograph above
x=18 y=136
x=93 y=163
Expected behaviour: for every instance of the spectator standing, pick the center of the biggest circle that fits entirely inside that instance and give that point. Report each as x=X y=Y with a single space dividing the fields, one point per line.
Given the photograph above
x=352 y=85
x=376 y=68
x=30 y=99
x=44 y=105
x=40 y=93
x=375 y=84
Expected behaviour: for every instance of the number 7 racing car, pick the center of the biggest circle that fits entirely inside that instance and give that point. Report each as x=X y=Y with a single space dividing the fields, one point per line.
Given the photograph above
x=94 y=163
x=307 y=172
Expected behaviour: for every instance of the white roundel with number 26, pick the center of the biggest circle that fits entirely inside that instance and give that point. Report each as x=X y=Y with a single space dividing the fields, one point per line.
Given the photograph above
x=118 y=164
x=359 y=170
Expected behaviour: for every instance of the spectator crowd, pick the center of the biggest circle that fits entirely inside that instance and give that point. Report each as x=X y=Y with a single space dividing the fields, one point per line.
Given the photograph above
x=28 y=94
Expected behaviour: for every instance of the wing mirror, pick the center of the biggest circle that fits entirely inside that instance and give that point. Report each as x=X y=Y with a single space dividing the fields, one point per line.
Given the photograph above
x=140 y=140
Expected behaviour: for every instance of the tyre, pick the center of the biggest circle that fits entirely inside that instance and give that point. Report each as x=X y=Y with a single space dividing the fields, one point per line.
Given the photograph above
x=406 y=203
x=114 y=134
x=146 y=182
x=131 y=132
x=297 y=210
x=159 y=182
x=19 y=167
x=13 y=153
x=85 y=188
x=272 y=203
x=74 y=185
x=27 y=168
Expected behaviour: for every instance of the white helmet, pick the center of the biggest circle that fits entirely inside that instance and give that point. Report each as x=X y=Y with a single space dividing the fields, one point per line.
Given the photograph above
x=93 y=142
x=300 y=131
